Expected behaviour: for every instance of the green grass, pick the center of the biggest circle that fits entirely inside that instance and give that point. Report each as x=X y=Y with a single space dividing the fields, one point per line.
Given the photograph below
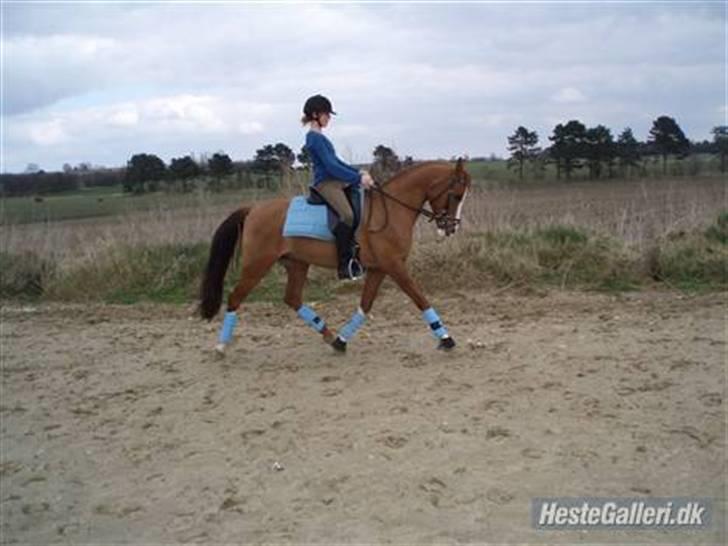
x=556 y=256
x=573 y=258
x=165 y=273
x=97 y=202
x=109 y=201
x=692 y=263
x=718 y=232
x=124 y=275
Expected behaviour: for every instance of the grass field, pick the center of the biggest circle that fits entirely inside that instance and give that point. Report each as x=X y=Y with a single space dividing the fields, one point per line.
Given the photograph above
x=99 y=202
x=613 y=235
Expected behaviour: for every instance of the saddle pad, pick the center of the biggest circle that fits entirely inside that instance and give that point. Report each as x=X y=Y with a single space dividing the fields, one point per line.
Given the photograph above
x=304 y=220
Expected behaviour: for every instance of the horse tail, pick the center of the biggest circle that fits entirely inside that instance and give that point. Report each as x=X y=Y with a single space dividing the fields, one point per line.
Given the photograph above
x=221 y=252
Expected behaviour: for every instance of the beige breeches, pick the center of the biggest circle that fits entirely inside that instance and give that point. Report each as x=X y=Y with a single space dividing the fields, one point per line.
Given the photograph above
x=333 y=192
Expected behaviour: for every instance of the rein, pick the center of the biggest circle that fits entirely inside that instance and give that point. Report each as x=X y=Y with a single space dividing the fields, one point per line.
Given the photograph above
x=442 y=218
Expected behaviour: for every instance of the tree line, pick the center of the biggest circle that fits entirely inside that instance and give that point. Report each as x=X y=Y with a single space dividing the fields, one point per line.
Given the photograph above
x=145 y=172
x=35 y=181
x=574 y=146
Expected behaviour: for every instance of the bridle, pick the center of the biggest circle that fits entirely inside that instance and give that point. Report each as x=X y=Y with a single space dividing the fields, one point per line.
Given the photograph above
x=444 y=219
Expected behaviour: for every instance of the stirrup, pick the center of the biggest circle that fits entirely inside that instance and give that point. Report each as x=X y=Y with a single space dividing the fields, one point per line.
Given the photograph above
x=356 y=269
x=352 y=271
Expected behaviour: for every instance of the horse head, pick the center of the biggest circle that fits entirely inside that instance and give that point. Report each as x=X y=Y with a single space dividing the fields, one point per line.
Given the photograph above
x=446 y=197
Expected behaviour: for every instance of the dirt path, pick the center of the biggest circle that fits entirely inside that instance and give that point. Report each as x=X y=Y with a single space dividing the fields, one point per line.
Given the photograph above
x=119 y=426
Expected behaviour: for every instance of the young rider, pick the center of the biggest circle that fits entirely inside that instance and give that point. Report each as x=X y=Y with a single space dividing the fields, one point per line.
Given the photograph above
x=330 y=177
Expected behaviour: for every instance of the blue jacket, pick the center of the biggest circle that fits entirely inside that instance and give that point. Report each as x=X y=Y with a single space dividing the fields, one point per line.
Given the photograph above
x=326 y=166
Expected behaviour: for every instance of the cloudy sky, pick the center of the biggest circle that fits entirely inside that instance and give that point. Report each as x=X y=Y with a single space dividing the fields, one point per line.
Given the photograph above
x=99 y=82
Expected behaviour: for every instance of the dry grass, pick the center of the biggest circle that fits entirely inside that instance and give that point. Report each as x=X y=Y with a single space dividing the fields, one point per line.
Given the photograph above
x=628 y=227
x=635 y=212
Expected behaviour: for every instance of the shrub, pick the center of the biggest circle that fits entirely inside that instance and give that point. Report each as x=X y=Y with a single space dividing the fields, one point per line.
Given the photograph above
x=127 y=274
x=693 y=261
x=168 y=273
x=719 y=231
x=24 y=275
x=560 y=255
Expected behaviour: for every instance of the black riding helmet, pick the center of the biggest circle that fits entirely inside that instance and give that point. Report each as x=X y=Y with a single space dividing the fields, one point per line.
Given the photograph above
x=318 y=104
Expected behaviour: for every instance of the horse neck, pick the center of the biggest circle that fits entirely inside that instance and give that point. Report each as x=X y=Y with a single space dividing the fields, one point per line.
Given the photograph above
x=412 y=187
x=409 y=188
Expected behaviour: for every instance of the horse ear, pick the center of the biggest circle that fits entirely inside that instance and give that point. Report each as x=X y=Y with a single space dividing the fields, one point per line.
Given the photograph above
x=459 y=166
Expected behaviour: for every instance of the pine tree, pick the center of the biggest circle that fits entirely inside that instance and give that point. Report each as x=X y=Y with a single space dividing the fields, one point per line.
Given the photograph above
x=522 y=145
x=720 y=139
x=143 y=172
x=628 y=150
x=669 y=139
x=568 y=147
x=599 y=150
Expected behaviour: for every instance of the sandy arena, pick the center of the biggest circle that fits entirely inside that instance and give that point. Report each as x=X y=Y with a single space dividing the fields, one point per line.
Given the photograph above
x=119 y=425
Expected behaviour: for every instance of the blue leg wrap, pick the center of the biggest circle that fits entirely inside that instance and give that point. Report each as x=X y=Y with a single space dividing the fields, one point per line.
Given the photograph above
x=310 y=317
x=431 y=317
x=351 y=327
x=228 y=325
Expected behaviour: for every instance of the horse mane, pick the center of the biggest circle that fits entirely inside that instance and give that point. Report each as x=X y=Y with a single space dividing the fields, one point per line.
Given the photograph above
x=412 y=168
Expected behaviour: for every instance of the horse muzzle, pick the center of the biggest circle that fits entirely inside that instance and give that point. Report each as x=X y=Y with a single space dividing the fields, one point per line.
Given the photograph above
x=447 y=224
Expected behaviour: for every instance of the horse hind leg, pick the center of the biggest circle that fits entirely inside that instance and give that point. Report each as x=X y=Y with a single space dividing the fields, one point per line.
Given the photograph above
x=297 y=275
x=252 y=273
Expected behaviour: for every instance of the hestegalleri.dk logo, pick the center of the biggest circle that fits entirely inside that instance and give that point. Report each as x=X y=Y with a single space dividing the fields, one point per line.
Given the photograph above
x=620 y=512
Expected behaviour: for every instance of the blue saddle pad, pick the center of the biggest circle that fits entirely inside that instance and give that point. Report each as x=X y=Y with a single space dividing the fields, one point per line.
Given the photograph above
x=304 y=220
x=316 y=221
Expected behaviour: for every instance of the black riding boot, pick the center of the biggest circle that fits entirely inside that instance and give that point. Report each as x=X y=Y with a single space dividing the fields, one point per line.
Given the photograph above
x=346 y=250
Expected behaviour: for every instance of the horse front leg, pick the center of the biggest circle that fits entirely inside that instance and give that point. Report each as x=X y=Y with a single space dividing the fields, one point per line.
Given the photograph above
x=400 y=275
x=372 y=282
x=297 y=274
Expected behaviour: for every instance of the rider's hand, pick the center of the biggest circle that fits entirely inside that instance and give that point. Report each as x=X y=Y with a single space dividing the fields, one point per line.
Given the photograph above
x=366 y=180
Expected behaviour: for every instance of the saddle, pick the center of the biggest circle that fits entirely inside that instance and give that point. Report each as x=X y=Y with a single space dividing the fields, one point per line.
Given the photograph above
x=311 y=216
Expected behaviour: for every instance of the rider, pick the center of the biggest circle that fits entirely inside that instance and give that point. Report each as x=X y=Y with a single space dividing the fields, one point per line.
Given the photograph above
x=330 y=177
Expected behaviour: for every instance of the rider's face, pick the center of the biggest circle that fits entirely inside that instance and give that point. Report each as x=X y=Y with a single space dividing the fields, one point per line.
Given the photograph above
x=323 y=119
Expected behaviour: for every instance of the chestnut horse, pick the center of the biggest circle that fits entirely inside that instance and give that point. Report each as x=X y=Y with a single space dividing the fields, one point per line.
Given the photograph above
x=385 y=239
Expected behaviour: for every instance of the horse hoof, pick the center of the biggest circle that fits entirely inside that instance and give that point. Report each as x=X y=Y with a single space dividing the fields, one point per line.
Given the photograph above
x=446 y=343
x=220 y=350
x=339 y=345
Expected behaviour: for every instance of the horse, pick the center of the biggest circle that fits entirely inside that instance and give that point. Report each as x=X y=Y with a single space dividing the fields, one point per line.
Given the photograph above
x=385 y=238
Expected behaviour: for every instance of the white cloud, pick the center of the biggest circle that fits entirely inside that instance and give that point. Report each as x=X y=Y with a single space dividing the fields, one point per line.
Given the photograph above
x=251 y=127
x=496 y=120
x=182 y=123
x=568 y=95
x=47 y=133
x=124 y=115
x=103 y=79
x=349 y=130
x=184 y=112
x=40 y=70
x=190 y=113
